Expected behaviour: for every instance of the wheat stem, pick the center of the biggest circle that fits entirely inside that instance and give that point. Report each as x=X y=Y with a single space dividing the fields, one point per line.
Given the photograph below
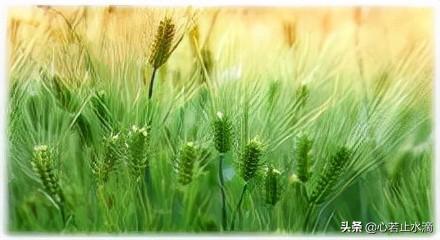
x=222 y=190
x=310 y=209
x=149 y=191
x=237 y=209
x=144 y=210
x=271 y=218
x=108 y=219
x=150 y=88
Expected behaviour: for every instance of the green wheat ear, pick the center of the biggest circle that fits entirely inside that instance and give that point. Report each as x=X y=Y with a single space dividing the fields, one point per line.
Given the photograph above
x=185 y=165
x=161 y=47
x=272 y=186
x=43 y=166
x=250 y=159
x=101 y=109
x=222 y=133
x=65 y=97
x=103 y=167
x=138 y=150
x=302 y=95
x=328 y=178
x=302 y=156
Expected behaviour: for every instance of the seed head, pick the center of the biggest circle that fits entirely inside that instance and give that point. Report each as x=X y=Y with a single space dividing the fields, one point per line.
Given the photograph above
x=43 y=166
x=138 y=149
x=250 y=159
x=329 y=176
x=187 y=158
x=290 y=33
x=161 y=48
x=102 y=167
x=101 y=109
x=302 y=155
x=272 y=186
x=62 y=92
x=302 y=95
x=222 y=133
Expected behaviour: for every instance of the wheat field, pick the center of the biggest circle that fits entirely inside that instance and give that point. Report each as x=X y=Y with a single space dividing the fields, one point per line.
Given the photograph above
x=222 y=120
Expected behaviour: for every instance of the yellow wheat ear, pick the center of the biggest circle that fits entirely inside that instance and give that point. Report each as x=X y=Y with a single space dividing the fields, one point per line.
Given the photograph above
x=162 y=46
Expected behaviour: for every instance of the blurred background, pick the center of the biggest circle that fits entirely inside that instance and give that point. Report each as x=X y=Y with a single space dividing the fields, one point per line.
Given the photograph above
x=372 y=36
